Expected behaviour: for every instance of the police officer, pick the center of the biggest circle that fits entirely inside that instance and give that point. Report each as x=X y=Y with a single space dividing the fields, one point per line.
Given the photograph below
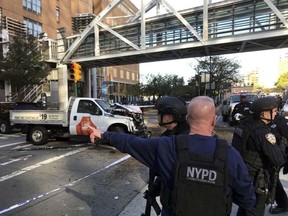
x=242 y=108
x=280 y=128
x=257 y=144
x=164 y=154
x=171 y=115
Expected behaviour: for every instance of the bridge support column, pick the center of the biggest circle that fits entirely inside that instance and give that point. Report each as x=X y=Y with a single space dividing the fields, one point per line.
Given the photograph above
x=87 y=83
x=8 y=91
x=63 y=86
x=94 y=82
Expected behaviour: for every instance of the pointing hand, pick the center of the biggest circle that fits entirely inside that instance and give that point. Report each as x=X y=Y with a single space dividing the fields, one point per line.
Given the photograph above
x=94 y=133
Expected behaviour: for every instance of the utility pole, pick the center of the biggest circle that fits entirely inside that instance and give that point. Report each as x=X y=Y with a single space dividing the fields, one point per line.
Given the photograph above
x=210 y=76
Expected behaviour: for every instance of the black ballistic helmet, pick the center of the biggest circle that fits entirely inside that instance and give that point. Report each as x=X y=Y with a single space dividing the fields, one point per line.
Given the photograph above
x=263 y=104
x=172 y=105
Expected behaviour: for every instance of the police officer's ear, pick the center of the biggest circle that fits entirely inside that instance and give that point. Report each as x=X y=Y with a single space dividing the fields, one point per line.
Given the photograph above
x=214 y=121
x=187 y=119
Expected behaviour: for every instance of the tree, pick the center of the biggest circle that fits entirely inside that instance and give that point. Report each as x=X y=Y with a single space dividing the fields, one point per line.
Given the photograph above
x=159 y=85
x=23 y=64
x=282 y=81
x=223 y=72
x=135 y=90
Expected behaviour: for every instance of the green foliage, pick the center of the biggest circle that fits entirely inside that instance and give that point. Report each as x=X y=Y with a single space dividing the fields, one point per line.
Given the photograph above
x=23 y=64
x=223 y=72
x=159 y=85
x=135 y=90
x=282 y=81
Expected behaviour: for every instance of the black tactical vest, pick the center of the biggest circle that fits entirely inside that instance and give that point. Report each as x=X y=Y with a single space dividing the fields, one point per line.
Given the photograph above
x=200 y=183
x=240 y=138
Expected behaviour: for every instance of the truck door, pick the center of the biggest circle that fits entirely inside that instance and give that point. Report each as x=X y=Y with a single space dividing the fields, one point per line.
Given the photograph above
x=86 y=113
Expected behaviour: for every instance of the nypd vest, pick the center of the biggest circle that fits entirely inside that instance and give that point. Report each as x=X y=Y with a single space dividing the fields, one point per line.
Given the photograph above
x=200 y=184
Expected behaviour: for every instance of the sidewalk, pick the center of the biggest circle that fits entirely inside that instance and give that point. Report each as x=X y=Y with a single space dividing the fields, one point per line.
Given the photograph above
x=137 y=206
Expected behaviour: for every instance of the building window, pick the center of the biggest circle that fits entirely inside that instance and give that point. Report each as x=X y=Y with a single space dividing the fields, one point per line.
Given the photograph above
x=121 y=74
x=32 y=5
x=127 y=75
x=57 y=14
x=33 y=28
x=114 y=72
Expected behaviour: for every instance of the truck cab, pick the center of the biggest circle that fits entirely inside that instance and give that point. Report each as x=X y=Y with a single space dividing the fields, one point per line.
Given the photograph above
x=99 y=114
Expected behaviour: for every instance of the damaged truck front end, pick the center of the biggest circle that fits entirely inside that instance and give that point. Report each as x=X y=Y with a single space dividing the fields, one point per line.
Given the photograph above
x=136 y=114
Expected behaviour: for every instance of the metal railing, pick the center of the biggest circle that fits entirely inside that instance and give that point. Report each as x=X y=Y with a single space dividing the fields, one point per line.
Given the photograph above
x=227 y=20
x=28 y=93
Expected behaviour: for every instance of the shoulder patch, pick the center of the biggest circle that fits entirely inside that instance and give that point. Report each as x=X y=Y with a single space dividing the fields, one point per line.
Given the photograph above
x=271 y=138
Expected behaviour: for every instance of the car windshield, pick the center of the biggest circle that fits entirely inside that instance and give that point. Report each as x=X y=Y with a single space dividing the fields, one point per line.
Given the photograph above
x=104 y=105
x=236 y=98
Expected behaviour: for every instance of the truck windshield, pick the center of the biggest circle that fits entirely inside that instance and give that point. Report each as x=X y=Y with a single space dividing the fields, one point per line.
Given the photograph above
x=104 y=105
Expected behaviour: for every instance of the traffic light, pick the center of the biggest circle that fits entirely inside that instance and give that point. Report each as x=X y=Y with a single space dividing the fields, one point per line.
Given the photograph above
x=75 y=71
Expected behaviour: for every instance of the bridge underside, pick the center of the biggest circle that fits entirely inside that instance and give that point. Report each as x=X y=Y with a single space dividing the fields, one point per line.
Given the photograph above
x=187 y=51
x=216 y=29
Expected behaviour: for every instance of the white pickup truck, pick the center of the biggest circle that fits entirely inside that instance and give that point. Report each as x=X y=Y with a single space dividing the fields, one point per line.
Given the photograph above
x=42 y=125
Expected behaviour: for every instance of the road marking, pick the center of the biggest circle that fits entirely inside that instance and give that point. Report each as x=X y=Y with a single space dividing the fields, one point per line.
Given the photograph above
x=20 y=147
x=11 y=144
x=24 y=157
x=11 y=135
x=32 y=167
x=62 y=188
x=14 y=135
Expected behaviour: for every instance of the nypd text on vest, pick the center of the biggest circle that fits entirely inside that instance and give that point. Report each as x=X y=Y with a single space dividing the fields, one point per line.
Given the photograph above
x=202 y=175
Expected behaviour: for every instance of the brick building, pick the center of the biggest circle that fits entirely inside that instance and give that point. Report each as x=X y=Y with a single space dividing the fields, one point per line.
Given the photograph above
x=51 y=22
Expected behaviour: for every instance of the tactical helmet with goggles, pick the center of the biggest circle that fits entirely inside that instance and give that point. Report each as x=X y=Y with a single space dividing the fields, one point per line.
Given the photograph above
x=172 y=105
x=263 y=104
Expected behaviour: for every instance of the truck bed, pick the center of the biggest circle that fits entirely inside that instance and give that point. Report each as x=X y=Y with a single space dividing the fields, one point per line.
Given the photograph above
x=40 y=117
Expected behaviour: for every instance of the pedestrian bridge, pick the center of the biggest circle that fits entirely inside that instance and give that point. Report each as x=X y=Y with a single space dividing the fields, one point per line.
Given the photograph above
x=212 y=29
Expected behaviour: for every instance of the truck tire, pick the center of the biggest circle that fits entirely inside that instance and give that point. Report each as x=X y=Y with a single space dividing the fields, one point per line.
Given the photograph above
x=118 y=129
x=4 y=127
x=38 y=135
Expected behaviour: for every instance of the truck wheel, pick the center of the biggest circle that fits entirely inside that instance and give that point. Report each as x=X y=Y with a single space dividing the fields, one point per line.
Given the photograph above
x=118 y=129
x=38 y=135
x=4 y=127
